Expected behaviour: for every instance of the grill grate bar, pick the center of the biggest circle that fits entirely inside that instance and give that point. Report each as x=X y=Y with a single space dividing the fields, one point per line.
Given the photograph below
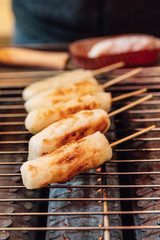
x=79 y=213
x=20 y=99
x=117 y=120
x=13 y=152
x=80 y=199
x=116 y=150
x=13 y=115
x=142 y=81
x=155 y=94
x=143 y=111
x=138 y=129
x=147 y=139
x=111 y=130
x=87 y=186
x=11 y=123
x=15 y=133
x=121 y=88
x=112 y=161
x=11 y=92
x=138 y=150
x=135 y=160
x=11 y=163
x=9 y=99
x=12 y=142
x=135 y=139
x=140 y=120
x=91 y=174
x=12 y=107
x=118 y=130
x=11 y=84
x=146 y=72
x=78 y=228
x=130 y=111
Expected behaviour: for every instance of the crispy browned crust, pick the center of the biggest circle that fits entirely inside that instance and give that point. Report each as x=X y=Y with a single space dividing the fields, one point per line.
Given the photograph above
x=67 y=161
x=40 y=118
x=67 y=130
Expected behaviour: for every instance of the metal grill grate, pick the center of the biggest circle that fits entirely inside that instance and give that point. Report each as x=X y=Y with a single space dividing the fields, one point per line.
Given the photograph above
x=119 y=198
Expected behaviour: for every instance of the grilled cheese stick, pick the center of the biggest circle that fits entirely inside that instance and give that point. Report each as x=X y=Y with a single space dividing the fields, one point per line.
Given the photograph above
x=70 y=91
x=67 y=161
x=69 y=129
x=56 y=81
x=40 y=118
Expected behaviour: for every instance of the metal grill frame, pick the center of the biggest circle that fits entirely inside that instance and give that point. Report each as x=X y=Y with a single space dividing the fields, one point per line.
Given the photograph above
x=12 y=103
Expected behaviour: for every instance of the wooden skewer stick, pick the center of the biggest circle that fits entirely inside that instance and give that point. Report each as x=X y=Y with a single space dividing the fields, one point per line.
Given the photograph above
x=130 y=105
x=107 y=68
x=132 y=136
x=127 y=95
x=105 y=205
x=122 y=77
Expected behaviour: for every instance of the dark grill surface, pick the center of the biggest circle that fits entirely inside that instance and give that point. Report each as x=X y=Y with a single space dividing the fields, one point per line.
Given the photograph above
x=117 y=200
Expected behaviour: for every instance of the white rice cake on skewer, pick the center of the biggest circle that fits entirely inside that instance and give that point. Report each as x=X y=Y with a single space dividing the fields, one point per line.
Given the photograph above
x=67 y=161
x=69 y=129
x=40 y=118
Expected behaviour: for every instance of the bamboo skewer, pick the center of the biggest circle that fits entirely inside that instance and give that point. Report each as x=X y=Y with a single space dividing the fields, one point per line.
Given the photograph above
x=130 y=105
x=127 y=95
x=107 y=68
x=105 y=205
x=122 y=77
x=132 y=136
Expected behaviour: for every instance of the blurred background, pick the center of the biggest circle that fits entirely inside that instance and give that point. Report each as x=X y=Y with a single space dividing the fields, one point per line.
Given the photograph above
x=45 y=21
x=6 y=21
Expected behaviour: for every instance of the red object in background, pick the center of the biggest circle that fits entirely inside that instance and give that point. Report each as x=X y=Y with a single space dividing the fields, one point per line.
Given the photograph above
x=79 y=51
